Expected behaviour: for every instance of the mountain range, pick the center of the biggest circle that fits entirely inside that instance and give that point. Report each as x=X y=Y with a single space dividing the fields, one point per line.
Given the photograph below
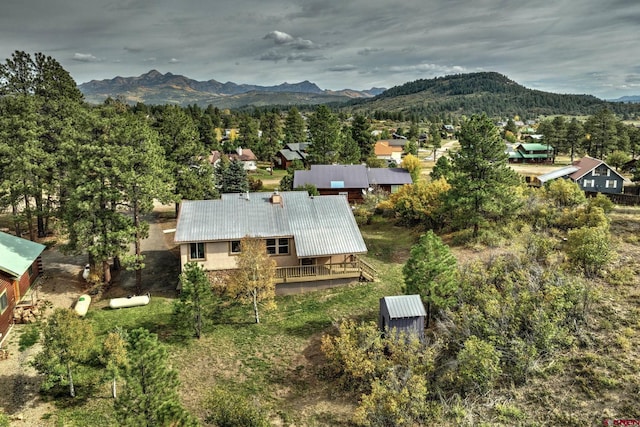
x=483 y=92
x=157 y=88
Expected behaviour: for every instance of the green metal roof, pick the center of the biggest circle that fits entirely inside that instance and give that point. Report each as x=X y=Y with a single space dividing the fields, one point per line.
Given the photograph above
x=17 y=254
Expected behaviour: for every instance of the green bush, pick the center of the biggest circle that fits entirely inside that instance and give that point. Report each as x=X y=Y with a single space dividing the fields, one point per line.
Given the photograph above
x=227 y=409
x=478 y=366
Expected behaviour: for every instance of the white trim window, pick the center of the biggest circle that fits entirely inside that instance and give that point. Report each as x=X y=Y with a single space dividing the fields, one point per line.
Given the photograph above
x=589 y=183
x=611 y=183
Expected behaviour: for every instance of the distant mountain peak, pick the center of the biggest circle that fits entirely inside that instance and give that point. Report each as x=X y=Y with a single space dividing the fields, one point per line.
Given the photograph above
x=170 y=88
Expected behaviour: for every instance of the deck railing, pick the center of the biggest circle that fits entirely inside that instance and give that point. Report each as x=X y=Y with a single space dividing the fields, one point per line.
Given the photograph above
x=304 y=273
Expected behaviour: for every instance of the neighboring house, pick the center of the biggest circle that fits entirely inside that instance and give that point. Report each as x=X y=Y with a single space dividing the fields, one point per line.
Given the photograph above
x=353 y=181
x=404 y=313
x=384 y=151
x=291 y=152
x=448 y=131
x=591 y=174
x=244 y=155
x=532 y=153
x=310 y=238
x=395 y=142
x=20 y=265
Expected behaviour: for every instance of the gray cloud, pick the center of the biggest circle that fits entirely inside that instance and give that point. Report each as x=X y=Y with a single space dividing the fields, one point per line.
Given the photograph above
x=345 y=67
x=553 y=46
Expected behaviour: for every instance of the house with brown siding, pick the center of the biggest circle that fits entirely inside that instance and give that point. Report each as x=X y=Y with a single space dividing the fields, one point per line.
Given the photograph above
x=353 y=181
x=20 y=265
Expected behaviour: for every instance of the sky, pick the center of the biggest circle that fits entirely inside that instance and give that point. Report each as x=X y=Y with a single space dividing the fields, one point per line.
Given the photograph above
x=561 y=46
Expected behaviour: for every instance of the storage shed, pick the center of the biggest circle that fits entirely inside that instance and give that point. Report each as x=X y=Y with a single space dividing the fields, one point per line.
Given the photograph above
x=405 y=313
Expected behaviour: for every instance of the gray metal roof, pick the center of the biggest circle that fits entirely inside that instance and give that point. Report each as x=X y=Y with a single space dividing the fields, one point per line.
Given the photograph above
x=291 y=155
x=389 y=176
x=567 y=170
x=329 y=176
x=17 y=254
x=401 y=306
x=321 y=225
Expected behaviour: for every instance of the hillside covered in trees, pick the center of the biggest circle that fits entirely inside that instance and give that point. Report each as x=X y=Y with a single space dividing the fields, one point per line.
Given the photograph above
x=487 y=92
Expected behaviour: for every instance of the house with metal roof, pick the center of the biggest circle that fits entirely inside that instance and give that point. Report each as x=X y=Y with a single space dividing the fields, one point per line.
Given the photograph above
x=290 y=152
x=353 y=181
x=310 y=238
x=402 y=313
x=592 y=175
x=20 y=265
x=532 y=153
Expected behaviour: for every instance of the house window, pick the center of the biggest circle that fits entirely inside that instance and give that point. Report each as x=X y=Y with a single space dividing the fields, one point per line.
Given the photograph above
x=611 y=183
x=308 y=261
x=196 y=251
x=30 y=270
x=588 y=183
x=278 y=246
x=4 y=302
x=235 y=247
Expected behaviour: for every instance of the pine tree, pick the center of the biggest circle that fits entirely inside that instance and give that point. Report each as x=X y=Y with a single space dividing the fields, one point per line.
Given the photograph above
x=234 y=178
x=324 y=134
x=482 y=179
x=114 y=356
x=294 y=127
x=361 y=134
x=150 y=394
x=196 y=303
x=350 y=153
x=430 y=272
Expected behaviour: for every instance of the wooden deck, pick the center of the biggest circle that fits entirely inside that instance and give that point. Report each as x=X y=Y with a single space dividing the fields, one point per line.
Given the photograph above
x=309 y=273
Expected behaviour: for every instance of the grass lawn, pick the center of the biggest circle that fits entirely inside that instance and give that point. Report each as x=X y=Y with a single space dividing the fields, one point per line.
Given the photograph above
x=277 y=362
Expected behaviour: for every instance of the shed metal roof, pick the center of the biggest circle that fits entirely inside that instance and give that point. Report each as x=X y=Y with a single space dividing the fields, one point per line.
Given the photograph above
x=402 y=306
x=321 y=225
x=17 y=254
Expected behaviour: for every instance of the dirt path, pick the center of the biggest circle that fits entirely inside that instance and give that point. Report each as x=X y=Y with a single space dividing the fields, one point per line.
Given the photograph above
x=61 y=285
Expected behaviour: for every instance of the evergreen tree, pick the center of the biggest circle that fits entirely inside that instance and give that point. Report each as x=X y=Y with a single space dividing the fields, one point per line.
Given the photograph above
x=482 y=179
x=294 y=127
x=361 y=134
x=324 y=135
x=430 y=272
x=602 y=131
x=67 y=343
x=350 y=153
x=234 y=178
x=435 y=138
x=248 y=129
x=573 y=137
x=271 y=136
x=195 y=305
x=150 y=394
x=442 y=169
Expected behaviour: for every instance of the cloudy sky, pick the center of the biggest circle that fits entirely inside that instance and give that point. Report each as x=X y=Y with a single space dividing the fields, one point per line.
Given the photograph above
x=562 y=46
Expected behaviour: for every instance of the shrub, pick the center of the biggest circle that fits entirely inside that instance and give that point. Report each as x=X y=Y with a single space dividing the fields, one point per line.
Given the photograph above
x=227 y=409
x=478 y=366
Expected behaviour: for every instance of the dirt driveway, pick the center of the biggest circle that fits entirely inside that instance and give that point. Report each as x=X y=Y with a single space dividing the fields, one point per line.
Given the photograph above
x=61 y=284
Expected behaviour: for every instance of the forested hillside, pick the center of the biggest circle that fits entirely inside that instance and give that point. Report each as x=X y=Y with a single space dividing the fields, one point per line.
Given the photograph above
x=488 y=92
